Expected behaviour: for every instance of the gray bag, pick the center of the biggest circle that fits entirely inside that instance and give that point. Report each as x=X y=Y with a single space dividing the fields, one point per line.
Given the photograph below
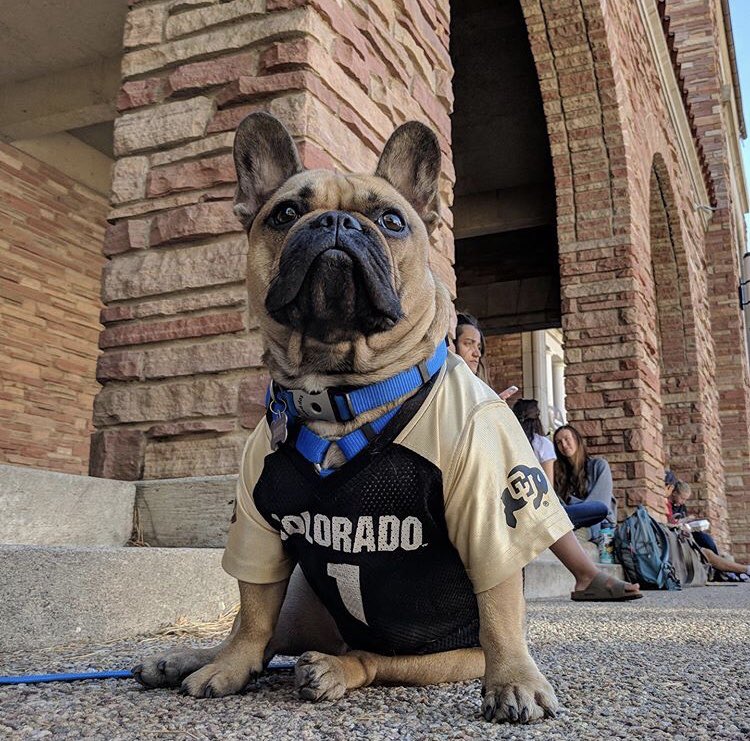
x=686 y=557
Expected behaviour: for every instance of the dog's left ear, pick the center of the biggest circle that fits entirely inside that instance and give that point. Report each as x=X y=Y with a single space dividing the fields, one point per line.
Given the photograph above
x=411 y=164
x=265 y=157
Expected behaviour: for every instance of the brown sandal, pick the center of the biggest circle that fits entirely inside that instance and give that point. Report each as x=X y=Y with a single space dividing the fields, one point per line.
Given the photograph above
x=604 y=588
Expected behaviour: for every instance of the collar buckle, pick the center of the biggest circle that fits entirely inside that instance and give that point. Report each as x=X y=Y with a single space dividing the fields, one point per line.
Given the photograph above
x=318 y=405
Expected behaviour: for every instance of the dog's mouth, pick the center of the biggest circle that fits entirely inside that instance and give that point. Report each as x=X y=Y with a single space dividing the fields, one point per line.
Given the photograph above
x=334 y=283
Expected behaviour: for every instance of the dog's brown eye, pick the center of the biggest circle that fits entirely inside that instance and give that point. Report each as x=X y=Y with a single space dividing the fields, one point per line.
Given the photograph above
x=392 y=221
x=285 y=214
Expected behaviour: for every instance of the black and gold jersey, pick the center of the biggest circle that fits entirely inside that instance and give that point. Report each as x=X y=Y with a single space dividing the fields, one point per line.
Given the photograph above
x=447 y=501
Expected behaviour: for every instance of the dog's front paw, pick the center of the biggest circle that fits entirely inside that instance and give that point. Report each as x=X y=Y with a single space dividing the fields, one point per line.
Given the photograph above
x=219 y=679
x=168 y=670
x=318 y=676
x=522 y=696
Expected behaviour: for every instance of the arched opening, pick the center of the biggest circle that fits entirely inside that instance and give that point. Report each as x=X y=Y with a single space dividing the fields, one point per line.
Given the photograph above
x=507 y=266
x=673 y=339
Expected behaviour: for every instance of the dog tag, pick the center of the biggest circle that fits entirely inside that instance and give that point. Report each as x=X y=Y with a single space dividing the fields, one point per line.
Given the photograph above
x=278 y=430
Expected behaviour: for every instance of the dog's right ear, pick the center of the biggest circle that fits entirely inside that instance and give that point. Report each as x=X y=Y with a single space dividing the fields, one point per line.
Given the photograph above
x=265 y=157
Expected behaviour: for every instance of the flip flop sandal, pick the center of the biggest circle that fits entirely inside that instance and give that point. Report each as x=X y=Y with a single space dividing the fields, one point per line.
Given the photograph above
x=604 y=588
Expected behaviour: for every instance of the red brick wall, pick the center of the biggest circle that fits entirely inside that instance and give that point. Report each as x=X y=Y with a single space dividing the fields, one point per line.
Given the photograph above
x=504 y=362
x=51 y=231
x=182 y=359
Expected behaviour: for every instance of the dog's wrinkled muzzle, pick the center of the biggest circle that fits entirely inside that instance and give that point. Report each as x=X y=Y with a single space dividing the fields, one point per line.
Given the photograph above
x=334 y=277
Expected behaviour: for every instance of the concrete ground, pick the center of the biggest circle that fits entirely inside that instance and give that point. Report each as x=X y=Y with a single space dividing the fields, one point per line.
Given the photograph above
x=669 y=666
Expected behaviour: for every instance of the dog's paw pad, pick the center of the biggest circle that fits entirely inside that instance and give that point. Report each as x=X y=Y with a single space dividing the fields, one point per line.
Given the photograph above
x=167 y=670
x=318 y=676
x=215 y=680
x=520 y=701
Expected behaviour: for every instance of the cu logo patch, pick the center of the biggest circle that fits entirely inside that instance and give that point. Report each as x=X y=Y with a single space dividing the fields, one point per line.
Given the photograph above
x=524 y=483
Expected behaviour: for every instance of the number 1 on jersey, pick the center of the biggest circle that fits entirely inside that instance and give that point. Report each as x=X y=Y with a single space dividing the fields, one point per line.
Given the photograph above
x=347 y=580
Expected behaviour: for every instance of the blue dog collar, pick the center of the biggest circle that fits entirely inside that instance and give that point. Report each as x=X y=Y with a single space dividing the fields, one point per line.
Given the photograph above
x=347 y=405
x=332 y=405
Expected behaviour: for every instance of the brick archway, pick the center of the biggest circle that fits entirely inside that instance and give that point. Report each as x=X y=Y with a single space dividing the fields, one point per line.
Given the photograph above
x=687 y=414
x=607 y=377
x=673 y=335
x=574 y=66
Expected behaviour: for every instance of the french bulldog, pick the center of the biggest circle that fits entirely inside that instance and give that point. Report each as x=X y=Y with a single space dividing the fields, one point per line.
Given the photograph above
x=339 y=277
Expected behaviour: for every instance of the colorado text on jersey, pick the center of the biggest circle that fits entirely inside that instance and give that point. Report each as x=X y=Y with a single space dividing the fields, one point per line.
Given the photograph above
x=384 y=533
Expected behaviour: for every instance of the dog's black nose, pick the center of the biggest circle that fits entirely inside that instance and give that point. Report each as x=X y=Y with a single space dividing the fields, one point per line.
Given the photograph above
x=336 y=221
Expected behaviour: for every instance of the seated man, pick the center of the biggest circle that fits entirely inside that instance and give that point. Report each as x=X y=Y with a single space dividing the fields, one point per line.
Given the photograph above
x=678 y=493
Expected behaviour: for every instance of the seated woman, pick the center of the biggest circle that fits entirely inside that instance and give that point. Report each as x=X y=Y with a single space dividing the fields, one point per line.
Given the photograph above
x=677 y=514
x=591 y=584
x=583 y=482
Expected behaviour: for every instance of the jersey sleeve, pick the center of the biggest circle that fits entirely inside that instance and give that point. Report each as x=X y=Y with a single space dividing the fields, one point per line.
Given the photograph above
x=254 y=551
x=500 y=508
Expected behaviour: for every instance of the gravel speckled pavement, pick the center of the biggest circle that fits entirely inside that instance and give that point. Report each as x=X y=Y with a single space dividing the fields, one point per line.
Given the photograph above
x=670 y=666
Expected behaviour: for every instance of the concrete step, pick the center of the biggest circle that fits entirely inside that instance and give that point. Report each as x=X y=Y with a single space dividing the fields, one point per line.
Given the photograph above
x=48 y=508
x=57 y=595
x=185 y=513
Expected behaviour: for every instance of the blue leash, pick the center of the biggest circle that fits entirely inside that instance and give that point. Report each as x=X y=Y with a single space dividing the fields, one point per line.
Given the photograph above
x=275 y=665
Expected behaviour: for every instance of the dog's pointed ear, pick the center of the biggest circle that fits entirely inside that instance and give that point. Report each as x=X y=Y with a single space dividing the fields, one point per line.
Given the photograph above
x=265 y=157
x=411 y=164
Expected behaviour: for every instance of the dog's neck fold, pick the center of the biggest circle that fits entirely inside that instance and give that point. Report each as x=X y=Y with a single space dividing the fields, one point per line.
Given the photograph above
x=296 y=361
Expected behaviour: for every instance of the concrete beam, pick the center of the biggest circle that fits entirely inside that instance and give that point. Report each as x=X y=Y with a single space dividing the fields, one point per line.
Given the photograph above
x=504 y=210
x=64 y=100
x=72 y=157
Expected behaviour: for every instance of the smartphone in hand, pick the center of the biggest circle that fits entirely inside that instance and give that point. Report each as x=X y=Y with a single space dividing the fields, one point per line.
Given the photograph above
x=508 y=392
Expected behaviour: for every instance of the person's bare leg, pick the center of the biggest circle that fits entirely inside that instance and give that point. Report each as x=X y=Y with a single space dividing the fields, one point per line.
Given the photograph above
x=572 y=556
x=725 y=564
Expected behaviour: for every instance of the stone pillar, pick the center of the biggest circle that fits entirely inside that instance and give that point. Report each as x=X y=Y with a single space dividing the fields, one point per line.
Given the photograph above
x=181 y=370
x=699 y=27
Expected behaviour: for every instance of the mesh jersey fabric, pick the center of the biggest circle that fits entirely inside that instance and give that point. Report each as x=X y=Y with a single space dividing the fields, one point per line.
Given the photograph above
x=447 y=501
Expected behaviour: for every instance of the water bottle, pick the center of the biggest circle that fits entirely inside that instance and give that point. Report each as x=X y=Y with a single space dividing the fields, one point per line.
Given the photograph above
x=607 y=544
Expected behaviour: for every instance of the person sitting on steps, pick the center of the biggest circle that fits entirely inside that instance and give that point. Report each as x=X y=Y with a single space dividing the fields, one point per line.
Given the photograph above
x=583 y=482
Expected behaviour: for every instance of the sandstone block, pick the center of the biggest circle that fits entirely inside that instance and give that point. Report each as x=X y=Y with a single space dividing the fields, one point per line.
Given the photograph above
x=173 y=329
x=204 y=396
x=119 y=366
x=169 y=123
x=291 y=109
x=207 y=357
x=129 y=179
x=197 y=20
x=247 y=88
x=191 y=175
x=137 y=93
x=211 y=299
x=177 y=429
x=284 y=53
x=252 y=399
x=144 y=26
x=151 y=273
x=192 y=222
x=204 y=457
x=117 y=454
x=152 y=205
x=208 y=145
x=128 y=234
x=199 y=75
x=222 y=355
